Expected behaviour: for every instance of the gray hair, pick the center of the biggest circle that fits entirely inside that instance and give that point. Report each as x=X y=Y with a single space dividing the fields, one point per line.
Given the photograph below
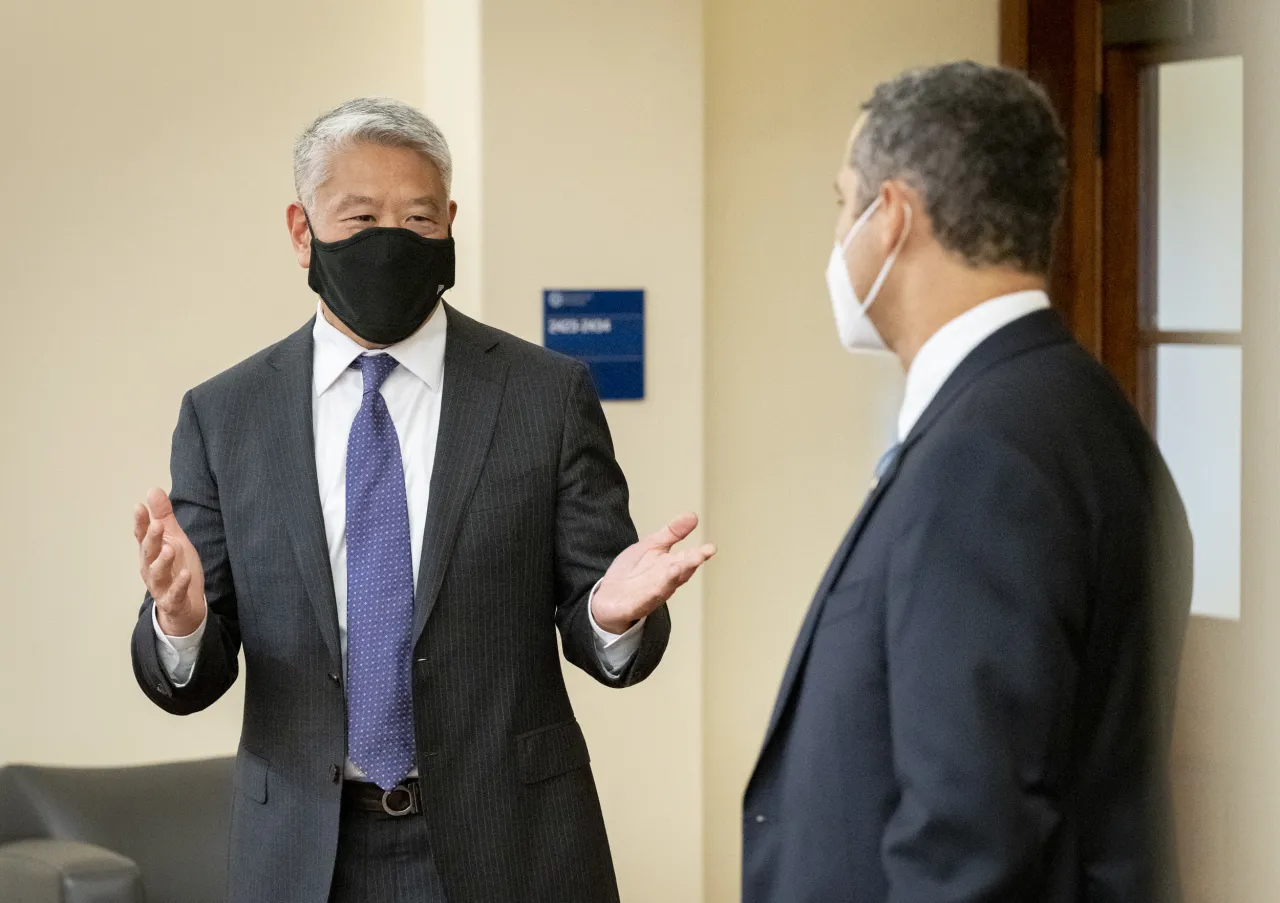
x=371 y=120
x=984 y=149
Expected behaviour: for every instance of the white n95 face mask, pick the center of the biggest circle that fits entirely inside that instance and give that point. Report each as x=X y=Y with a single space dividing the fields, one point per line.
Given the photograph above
x=857 y=332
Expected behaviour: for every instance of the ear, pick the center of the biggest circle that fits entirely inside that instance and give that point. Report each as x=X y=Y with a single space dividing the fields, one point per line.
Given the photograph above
x=453 y=211
x=895 y=199
x=299 y=234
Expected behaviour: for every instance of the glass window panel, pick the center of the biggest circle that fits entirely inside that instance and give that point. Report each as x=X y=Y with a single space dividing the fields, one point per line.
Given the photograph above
x=1200 y=188
x=1198 y=421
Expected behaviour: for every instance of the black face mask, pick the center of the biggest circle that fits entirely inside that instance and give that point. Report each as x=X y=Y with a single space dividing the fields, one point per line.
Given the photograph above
x=383 y=283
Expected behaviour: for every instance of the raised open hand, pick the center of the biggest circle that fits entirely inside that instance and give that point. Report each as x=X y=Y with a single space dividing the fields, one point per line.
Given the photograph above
x=169 y=566
x=646 y=575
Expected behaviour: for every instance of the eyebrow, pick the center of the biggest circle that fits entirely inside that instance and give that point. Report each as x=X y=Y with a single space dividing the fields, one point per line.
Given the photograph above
x=428 y=202
x=359 y=200
x=351 y=200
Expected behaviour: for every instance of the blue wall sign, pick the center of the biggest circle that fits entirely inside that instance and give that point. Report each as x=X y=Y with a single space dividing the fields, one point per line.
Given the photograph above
x=605 y=330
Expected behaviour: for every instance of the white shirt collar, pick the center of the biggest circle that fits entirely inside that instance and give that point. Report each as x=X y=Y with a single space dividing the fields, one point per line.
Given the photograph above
x=950 y=345
x=422 y=354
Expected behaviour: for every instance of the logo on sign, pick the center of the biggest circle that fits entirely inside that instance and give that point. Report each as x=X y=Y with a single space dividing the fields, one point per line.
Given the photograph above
x=605 y=330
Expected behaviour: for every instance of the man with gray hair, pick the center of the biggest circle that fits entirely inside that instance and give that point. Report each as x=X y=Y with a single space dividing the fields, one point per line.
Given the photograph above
x=391 y=512
x=978 y=707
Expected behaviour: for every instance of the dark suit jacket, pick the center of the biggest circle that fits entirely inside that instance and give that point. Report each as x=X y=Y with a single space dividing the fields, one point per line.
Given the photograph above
x=978 y=707
x=528 y=508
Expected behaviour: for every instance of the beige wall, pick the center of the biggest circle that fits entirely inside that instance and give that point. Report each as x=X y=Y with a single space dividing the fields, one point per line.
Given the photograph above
x=144 y=171
x=452 y=45
x=1243 y=733
x=794 y=425
x=593 y=178
x=1259 y=836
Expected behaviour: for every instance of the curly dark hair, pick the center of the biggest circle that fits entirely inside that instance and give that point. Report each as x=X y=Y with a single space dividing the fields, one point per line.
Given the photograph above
x=985 y=150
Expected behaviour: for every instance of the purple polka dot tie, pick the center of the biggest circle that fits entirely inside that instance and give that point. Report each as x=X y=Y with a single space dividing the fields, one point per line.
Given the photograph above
x=379 y=589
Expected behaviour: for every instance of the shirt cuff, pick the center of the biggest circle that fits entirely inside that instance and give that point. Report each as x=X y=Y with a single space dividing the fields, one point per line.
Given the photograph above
x=178 y=654
x=614 y=650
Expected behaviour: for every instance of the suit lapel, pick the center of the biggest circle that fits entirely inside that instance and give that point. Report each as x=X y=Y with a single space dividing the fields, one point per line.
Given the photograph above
x=292 y=463
x=474 y=380
x=1026 y=334
x=807 y=630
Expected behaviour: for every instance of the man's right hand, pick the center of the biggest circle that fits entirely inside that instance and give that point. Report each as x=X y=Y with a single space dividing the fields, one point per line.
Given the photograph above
x=170 y=566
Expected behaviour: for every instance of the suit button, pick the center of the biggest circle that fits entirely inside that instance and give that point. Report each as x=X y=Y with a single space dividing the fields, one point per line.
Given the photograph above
x=760 y=819
x=335 y=774
x=335 y=679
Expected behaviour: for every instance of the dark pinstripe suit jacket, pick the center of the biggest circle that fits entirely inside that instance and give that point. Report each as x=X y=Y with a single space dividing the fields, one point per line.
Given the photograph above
x=528 y=508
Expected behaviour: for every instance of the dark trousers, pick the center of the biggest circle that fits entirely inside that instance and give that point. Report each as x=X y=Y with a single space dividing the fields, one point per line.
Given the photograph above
x=382 y=859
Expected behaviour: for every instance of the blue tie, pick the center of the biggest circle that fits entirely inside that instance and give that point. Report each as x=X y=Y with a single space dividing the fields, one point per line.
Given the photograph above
x=886 y=462
x=379 y=589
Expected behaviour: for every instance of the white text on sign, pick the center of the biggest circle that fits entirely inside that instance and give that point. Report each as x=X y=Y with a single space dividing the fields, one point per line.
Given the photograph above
x=579 y=326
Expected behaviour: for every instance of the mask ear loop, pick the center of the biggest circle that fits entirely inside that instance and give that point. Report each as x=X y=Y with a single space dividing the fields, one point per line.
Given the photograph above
x=888 y=264
x=859 y=223
x=311 y=231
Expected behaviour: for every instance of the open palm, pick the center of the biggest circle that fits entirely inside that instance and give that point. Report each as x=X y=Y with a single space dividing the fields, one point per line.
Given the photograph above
x=646 y=575
x=169 y=565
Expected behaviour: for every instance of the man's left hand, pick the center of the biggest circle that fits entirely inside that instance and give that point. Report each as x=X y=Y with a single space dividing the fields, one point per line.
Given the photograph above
x=646 y=575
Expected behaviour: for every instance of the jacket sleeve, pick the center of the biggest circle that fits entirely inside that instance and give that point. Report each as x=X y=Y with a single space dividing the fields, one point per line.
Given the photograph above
x=593 y=525
x=985 y=617
x=195 y=504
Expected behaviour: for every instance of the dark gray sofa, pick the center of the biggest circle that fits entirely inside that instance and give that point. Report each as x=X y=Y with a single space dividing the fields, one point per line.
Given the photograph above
x=152 y=834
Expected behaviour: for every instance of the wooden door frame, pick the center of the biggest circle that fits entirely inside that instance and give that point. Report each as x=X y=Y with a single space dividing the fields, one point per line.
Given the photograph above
x=1059 y=44
x=1125 y=260
x=1103 y=276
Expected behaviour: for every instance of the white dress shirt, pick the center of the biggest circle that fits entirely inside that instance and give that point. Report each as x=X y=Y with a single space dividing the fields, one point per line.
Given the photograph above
x=413 y=393
x=949 y=346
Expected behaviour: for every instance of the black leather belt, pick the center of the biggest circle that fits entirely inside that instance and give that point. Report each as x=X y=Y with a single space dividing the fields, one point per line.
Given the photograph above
x=406 y=799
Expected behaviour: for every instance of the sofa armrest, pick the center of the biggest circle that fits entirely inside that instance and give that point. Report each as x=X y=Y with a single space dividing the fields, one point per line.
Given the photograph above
x=64 y=871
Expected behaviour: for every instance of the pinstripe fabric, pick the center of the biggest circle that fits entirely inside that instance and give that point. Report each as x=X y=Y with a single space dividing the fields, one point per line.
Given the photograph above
x=528 y=508
x=384 y=860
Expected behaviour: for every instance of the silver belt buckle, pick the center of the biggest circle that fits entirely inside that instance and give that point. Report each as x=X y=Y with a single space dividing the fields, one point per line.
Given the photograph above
x=386 y=801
